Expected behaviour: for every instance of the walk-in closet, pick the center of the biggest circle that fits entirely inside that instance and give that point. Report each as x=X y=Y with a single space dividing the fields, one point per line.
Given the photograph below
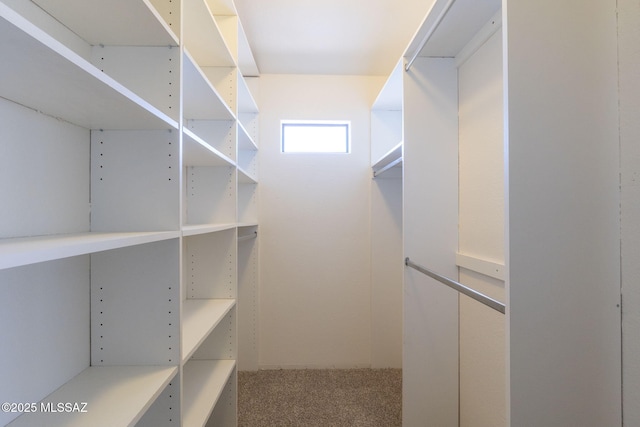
x=238 y=213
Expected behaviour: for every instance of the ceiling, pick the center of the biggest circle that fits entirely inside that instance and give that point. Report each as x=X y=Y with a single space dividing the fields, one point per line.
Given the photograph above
x=357 y=37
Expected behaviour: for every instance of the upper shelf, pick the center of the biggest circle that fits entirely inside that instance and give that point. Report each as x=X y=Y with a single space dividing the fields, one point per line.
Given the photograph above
x=202 y=35
x=116 y=22
x=39 y=72
x=450 y=25
x=246 y=60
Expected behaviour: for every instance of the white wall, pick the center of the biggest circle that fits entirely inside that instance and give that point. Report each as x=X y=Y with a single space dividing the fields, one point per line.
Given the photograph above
x=315 y=308
x=563 y=279
x=629 y=63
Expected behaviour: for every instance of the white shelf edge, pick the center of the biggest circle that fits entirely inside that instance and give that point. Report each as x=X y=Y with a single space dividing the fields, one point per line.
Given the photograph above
x=246 y=61
x=482 y=266
x=114 y=395
x=162 y=22
x=391 y=159
x=246 y=224
x=246 y=101
x=218 y=103
x=245 y=142
x=20 y=251
x=204 y=382
x=75 y=61
x=104 y=23
x=449 y=33
x=199 y=318
x=200 y=153
x=196 y=229
x=245 y=177
x=489 y=29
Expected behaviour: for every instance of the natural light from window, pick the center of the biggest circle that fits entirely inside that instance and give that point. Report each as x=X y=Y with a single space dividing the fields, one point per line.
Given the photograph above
x=315 y=136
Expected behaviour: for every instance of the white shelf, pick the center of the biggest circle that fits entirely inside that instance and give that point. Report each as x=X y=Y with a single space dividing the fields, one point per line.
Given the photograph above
x=392 y=159
x=204 y=381
x=203 y=37
x=245 y=178
x=115 y=396
x=201 y=99
x=35 y=65
x=246 y=102
x=245 y=141
x=462 y=22
x=200 y=317
x=30 y=250
x=195 y=229
x=196 y=152
x=116 y=22
x=247 y=224
x=246 y=61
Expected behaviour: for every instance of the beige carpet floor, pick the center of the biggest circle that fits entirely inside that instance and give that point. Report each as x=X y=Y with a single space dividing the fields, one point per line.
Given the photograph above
x=320 y=398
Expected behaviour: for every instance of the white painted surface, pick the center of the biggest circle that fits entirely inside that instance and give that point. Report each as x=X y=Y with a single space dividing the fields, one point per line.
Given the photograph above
x=430 y=352
x=53 y=198
x=36 y=303
x=248 y=303
x=204 y=382
x=481 y=160
x=359 y=37
x=135 y=294
x=131 y=389
x=135 y=180
x=40 y=64
x=481 y=233
x=386 y=273
x=482 y=266
x=199 y=318
x=19 y=251
x=629 y=63
x=315 y=295
x=563 y=219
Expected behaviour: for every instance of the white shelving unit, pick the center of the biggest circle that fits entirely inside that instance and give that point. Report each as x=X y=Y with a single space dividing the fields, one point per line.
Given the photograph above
x=494 y=112
x=129 y=123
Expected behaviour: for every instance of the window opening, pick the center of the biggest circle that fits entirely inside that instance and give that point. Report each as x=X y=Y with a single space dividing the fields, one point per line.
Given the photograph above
x=315 y=136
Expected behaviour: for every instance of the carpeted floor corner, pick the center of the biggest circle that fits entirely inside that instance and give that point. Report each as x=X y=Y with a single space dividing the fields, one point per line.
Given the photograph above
x=320 y=398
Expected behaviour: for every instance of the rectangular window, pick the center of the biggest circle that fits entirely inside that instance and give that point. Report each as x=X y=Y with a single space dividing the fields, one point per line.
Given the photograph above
x=315 y=136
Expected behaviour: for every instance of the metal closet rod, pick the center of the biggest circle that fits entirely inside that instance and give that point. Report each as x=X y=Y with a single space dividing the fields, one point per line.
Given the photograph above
x=472 y=293
x=432 y=30
x=248 y=236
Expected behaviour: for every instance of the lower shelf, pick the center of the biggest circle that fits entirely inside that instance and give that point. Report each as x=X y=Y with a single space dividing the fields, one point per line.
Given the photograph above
x=114 y=396
x=200 y=317
x=204 y=382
